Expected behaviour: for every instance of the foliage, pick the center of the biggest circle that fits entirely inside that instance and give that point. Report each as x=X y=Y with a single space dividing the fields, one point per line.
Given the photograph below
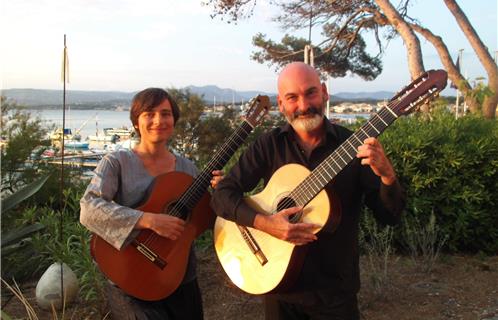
x=50 y=245
x=16 y=241
x=343 y=22
x=20 y=195
x=185 y=137
x=204 y=241
x=194 y=137
x=72 y=247
x=479 y=94
x=449 y=167
x=424 y=241
x=23 y=134
x=377 y=245
x=213 y=132
x=336 y=62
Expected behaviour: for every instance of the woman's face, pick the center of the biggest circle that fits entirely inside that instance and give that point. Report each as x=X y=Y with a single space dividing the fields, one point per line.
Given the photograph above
x=157 y=124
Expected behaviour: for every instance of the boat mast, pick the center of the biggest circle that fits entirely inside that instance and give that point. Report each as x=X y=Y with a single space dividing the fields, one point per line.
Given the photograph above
x=61 y=195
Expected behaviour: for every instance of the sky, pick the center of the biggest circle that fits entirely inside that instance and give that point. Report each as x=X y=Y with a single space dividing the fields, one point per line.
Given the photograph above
x=128 y=45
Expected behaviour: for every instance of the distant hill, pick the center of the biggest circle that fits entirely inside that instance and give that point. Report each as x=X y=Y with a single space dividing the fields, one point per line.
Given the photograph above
x=41 y=98
x=53 y=98
x=375 y=95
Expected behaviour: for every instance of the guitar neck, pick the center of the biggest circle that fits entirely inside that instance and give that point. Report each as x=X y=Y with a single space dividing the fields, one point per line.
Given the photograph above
x=198 y=187
x=342 y=156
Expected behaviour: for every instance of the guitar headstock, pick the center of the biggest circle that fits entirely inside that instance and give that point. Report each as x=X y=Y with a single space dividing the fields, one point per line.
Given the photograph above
x=259 y=107
x=422 y=89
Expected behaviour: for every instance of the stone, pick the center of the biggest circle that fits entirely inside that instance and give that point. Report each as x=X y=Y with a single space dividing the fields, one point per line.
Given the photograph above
x=48 y=288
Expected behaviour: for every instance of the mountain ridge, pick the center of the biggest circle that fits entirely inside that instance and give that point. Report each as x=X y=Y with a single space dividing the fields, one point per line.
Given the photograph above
x=211 y=94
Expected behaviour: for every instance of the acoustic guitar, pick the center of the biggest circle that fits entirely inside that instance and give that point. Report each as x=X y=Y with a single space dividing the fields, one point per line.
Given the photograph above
x=259 y=263
x=152 y=267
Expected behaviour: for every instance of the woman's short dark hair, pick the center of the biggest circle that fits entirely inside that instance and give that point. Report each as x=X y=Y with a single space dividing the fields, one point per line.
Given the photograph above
x=148 y=99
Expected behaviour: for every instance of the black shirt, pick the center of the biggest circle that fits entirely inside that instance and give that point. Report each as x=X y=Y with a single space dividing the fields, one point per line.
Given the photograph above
x=332 y=261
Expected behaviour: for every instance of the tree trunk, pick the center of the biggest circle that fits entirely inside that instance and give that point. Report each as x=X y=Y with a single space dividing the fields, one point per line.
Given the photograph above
x=453 y=73
x=490 y=103
x=410 y=39
x=412 y=44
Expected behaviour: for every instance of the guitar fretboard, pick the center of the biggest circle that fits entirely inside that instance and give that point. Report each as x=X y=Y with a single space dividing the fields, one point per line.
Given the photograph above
x=342 y=156
x=198 y=187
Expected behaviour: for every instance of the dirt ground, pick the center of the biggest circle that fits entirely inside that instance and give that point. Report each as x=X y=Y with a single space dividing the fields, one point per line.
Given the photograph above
x=458 y=287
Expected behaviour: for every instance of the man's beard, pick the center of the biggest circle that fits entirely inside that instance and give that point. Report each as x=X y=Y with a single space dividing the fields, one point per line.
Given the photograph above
x=308 y=123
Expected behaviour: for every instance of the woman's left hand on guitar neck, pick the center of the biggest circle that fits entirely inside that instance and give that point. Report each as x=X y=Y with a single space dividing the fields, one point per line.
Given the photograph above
x=372 y=154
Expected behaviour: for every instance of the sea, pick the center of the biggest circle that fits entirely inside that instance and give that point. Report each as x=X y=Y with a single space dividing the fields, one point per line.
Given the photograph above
x=85 y=122
x=89 y=122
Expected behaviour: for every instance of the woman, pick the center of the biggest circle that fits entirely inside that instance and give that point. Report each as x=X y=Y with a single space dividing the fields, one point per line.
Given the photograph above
x=121 y=182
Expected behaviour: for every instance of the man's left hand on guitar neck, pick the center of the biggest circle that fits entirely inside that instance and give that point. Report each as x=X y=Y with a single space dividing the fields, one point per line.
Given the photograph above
x=372 y=154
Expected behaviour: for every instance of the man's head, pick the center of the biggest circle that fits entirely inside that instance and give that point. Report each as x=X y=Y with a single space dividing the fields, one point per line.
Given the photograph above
x=301 y=96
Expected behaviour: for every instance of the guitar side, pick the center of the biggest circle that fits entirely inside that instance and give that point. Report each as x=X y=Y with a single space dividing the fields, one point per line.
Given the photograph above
x=236 y=257
x=130 y=269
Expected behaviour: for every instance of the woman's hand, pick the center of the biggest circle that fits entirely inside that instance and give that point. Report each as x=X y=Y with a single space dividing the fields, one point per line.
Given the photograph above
x=217 y=177
x=163 y=224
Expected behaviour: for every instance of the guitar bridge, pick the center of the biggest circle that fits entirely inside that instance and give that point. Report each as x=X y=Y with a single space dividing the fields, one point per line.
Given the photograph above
x=149 y=254
x=253 y=245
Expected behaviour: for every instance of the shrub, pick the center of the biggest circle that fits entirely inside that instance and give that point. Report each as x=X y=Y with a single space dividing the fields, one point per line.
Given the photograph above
x=449 y=167
x=376 y=243
x=72 y=248
x=424 y=241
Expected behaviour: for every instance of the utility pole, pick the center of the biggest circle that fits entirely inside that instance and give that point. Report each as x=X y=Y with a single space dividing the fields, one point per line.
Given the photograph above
x=457 y=105
x=328 y=100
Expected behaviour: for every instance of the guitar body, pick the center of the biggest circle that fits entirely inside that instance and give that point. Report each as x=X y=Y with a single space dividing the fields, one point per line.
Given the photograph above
x=130 y=269
x=283 y=258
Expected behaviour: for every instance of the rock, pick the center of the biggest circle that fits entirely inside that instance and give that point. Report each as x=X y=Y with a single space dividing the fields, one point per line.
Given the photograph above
x=48 y=289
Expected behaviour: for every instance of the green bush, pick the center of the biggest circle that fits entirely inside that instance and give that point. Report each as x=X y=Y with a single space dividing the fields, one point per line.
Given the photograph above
x=450 y=167
x=33 y=255
x=73 y=247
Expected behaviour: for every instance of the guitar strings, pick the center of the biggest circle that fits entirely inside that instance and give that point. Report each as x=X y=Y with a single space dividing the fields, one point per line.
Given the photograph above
x=225 y=150
x=296 y=196
x=341 y=153
x=202 y=180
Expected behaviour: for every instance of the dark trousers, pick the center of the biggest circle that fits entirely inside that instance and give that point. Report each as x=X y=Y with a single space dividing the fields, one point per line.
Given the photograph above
x=184 y=303
x=316 y=308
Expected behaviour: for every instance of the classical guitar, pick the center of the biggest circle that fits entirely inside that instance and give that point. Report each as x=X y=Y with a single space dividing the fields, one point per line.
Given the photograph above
x=152 y=267
x=259 y=263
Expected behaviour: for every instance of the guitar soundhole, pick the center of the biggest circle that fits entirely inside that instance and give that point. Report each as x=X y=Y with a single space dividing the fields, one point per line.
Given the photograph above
x=178 y=210
x=286 y=203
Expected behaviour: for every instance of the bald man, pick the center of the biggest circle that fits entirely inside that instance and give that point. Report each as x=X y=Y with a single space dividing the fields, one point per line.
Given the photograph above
x=326 y=286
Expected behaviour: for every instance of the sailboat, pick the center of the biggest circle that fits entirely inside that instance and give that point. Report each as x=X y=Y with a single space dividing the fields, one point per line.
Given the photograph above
x=72 y=141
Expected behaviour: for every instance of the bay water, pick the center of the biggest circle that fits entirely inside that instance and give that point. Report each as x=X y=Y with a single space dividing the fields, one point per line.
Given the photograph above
x=89 y=122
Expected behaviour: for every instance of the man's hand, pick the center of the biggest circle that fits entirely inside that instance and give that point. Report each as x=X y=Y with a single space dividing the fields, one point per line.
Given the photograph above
x=278 y=225
x=163 y=224
x=372 y=154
